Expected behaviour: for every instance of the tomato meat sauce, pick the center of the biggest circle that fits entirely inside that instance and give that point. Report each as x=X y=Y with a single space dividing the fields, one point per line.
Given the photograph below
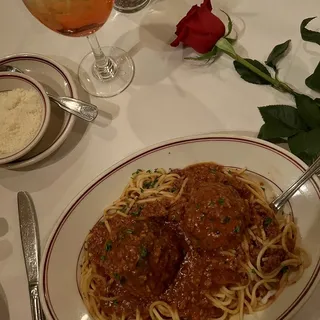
x=175 y=252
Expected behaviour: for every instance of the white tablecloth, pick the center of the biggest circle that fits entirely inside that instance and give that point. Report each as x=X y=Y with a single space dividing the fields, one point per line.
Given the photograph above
x=168 y=98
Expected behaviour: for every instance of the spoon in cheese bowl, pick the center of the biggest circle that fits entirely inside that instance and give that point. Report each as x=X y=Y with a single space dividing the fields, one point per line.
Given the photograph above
x=84 y=110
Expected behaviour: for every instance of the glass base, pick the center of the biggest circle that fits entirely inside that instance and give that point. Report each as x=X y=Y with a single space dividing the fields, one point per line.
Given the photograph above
x=111 y=84
x=129 y=6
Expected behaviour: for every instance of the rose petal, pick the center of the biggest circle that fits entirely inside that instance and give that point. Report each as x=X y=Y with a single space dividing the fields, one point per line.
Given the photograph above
x=175 y=42
x=201 y=43
x=189 y=15
x=207 y=4
x=210 y=22
x=180 y=38
x=200 y=28
x=205 y=21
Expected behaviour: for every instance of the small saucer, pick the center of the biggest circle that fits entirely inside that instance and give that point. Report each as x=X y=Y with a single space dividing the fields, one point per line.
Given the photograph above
x=57 y=81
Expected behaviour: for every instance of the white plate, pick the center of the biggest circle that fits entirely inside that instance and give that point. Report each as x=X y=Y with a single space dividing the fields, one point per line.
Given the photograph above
x=59 y=290
x=57 y=81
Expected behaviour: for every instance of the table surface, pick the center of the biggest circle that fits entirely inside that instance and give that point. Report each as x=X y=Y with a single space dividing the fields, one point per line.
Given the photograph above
x=168 y=98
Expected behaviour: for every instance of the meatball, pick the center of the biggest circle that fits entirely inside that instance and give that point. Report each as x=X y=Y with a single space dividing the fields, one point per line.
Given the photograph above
x=143 y=256
x=215 y=216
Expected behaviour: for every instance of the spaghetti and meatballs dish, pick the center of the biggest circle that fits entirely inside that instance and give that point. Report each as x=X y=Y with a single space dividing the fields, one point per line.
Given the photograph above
x=196 y=243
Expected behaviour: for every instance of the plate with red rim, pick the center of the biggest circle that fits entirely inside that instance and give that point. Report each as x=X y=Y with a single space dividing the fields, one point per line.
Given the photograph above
x=56 y=80
x=60 y=295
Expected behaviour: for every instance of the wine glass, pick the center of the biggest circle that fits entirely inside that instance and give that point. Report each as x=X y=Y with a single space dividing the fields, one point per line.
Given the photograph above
x=104 y=72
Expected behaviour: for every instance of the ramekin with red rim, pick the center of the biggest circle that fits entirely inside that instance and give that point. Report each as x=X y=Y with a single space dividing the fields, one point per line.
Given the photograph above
x=24 y=115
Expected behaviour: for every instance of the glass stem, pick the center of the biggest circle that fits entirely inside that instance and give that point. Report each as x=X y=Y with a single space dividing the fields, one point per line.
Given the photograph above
x=104 y=67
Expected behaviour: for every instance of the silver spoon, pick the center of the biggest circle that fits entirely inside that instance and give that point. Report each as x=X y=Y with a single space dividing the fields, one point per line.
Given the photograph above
x=280 y=201
x=79 y=108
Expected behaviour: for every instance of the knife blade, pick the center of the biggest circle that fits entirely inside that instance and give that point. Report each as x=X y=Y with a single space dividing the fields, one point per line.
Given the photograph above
x=30 y=244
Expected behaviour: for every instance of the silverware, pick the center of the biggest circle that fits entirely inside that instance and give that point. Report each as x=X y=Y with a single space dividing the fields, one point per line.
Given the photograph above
x=84 y=110
x=280 y=201
x=31 y=248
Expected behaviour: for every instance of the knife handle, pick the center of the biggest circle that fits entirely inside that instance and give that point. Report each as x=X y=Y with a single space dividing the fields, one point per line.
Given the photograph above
x=36 y=310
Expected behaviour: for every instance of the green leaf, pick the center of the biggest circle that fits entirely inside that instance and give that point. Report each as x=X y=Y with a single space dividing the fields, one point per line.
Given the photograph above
x=306 y=145
x=265 y=133
x=308 y=110
x=276 y=54
x=313 y=82
x=230 y=24
x=250 y=76
x=224 y=45
x=273 y=130
x=232 y=41
x=281 y=121
x=309 y=35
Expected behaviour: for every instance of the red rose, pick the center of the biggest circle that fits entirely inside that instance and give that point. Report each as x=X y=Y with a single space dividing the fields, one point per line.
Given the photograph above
x=200 y=29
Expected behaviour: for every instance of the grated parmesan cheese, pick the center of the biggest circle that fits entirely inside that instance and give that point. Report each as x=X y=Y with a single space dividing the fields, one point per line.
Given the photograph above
x=20 y=119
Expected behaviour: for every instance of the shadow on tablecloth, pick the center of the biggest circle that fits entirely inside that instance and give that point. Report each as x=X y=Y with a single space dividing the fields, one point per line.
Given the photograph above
x=4 y=309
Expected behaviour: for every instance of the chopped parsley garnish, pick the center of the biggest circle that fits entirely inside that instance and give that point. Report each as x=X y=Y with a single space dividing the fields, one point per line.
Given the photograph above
x=136 y=172
x=267 y=221
x=154 y=182
x=229 y=171
x=213 y=170
x=236 y=229
x=226 y=220
x=115 y=302
x=197 y=206
x=141 y=190
x=148 y=171
x=137 y=212
x=117 y=276
x=150 y=184
x=129 y=231
x=284 y=269
x=147 y=184
x=102 y=258
x=143 y=252
x=173 y=190
x=124 y=209
x=108 y=245
x=221 y=201
x=253 y=271
x=263 y=188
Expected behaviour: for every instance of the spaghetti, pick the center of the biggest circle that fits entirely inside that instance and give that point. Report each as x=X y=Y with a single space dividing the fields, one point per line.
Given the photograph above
x=198 y=243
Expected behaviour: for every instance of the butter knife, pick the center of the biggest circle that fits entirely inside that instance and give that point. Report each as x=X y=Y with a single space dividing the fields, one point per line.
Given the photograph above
x=31 y=248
